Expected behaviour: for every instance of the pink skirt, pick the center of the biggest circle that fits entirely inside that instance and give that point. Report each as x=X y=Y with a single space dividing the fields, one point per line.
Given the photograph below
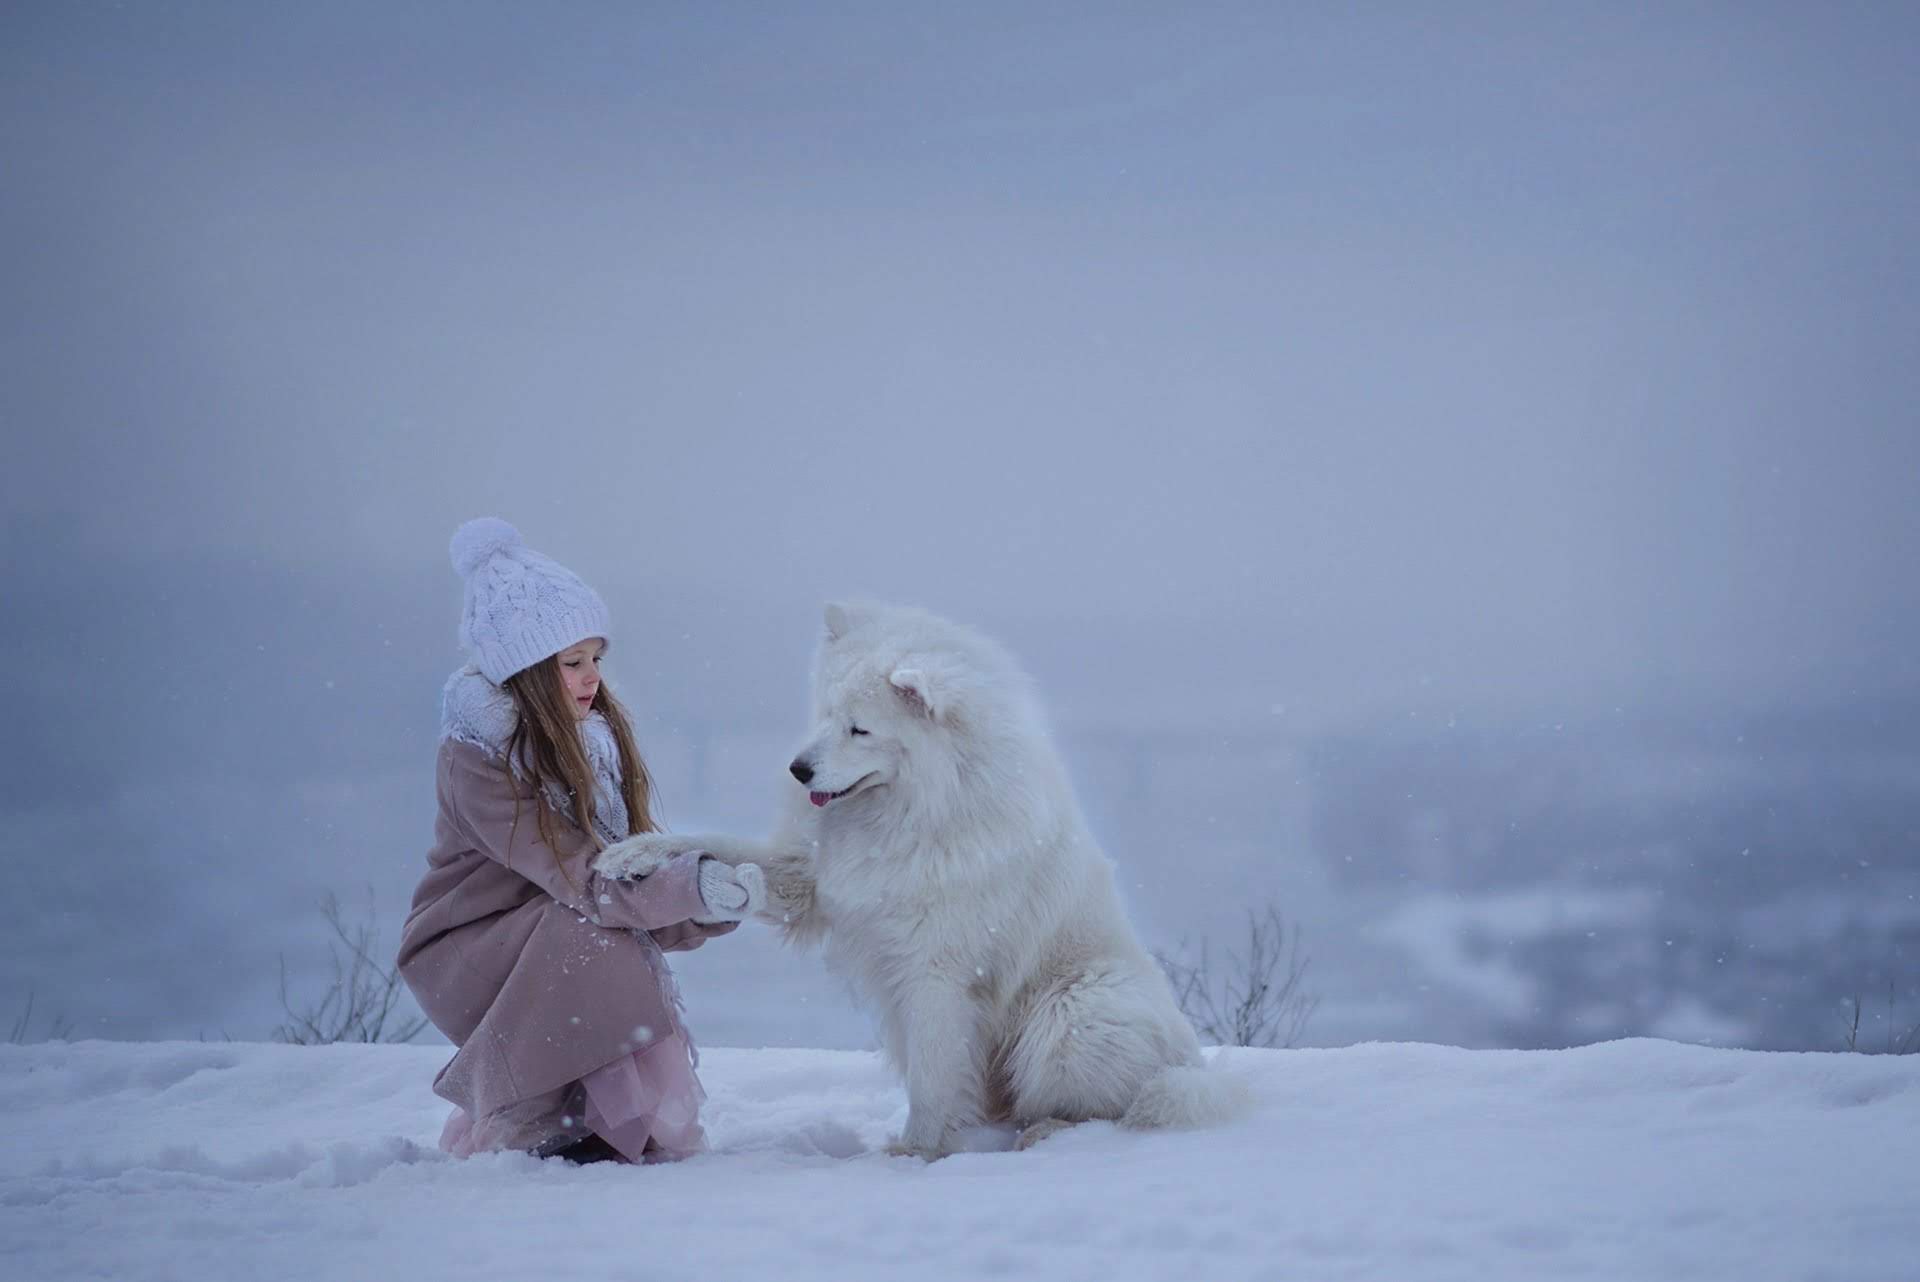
x=647 y=1105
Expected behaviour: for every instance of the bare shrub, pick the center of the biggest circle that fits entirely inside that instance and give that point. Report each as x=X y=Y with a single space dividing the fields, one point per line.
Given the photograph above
x=1897 y=1043
x=1257 y=997
x=59 y=1028
x=359 y=1004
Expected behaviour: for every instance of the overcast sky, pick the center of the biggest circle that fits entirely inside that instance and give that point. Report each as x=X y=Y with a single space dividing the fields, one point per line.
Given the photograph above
x=1222 y=359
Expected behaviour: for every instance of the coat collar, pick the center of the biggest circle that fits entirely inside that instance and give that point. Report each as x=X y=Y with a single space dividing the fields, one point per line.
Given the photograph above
x=473 y=710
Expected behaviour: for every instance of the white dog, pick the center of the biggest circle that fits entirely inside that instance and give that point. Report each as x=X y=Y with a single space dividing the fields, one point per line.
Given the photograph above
x=936 y=846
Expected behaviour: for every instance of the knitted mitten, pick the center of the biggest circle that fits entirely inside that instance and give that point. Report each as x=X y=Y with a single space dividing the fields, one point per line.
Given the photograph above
x=730 y=894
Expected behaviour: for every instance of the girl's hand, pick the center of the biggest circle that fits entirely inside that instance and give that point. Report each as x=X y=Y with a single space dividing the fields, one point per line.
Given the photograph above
x=731 y=894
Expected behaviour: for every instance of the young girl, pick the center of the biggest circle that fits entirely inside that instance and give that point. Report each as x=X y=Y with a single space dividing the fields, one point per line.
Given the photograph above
x=547 y=976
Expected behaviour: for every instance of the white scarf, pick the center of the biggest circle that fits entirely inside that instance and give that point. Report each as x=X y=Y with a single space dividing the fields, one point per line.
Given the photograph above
x=476 y=711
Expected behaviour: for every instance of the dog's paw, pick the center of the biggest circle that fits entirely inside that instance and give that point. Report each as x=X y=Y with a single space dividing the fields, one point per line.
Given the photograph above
x=1034 y=1132
x=637 y=856
x=789 y=888
x=926 y=1140
x=898 y=1147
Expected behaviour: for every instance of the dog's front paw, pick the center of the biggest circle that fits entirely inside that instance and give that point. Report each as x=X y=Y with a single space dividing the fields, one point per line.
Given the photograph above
x=637 y=856
x=1033 y=1133
x=899 y=1147
x=921 y=1138
x=789 y=883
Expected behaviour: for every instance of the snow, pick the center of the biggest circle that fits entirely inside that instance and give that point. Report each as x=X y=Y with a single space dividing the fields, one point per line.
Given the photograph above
x=1636 y=1159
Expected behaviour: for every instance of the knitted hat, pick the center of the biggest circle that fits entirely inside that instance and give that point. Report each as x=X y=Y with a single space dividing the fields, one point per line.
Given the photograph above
x=520 y=606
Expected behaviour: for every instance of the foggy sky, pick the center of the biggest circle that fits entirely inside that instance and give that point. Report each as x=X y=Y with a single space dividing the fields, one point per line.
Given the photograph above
x=1228 y=362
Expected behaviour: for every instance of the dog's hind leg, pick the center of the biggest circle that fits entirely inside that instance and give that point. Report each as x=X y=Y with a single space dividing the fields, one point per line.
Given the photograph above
x=1082 y=1051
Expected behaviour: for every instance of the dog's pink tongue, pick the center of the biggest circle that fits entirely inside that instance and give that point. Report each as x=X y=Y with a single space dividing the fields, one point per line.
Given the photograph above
x=819 y=798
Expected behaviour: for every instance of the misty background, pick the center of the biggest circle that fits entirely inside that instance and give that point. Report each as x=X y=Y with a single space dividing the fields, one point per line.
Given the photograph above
x=1452 y=473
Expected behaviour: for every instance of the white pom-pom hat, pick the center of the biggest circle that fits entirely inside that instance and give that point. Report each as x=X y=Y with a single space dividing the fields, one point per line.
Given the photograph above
x=520 y=606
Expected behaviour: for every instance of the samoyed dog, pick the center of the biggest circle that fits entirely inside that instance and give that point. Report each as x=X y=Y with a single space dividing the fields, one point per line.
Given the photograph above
x=934 y=845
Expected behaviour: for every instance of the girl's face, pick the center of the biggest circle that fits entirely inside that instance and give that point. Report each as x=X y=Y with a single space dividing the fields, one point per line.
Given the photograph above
x=580 y=673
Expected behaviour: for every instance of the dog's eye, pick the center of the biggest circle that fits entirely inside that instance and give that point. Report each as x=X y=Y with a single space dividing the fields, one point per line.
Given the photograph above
x=855 y=730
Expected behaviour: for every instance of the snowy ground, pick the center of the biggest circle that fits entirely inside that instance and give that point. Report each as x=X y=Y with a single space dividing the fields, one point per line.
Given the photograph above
x=1627 y=1160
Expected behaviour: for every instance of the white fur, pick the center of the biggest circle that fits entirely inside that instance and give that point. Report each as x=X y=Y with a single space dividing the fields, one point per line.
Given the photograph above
x=956 y=885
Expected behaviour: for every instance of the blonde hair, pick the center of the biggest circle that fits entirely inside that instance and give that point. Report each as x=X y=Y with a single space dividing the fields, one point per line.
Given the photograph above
x=546 y=747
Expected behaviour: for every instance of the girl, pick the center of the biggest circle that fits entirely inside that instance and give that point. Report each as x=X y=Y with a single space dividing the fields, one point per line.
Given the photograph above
x=548 y=977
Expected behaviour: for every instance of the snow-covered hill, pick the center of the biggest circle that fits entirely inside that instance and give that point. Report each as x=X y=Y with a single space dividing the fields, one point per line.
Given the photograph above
x=1636 y=1159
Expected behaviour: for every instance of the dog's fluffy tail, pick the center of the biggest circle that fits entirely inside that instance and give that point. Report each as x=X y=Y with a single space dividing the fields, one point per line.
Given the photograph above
x=1183 y=1097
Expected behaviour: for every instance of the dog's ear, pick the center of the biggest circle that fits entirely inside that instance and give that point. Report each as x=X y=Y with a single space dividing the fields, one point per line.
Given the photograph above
x=918 y=688
x=837 y=621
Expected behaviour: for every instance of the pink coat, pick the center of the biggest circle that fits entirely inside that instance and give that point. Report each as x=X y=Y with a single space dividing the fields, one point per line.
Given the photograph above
x=539 y=971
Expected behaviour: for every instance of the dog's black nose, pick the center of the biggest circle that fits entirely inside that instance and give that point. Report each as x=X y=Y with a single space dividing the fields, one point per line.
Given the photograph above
x=802 y=771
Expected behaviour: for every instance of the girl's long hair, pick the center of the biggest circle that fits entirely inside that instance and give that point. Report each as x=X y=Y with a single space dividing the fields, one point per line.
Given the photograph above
x=547 y=748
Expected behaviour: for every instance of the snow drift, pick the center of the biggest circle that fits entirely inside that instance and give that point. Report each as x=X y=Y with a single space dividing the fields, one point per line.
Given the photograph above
x=1636 y=1159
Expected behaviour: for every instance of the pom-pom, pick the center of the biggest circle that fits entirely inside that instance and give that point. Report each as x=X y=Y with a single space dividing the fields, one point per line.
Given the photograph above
x=477 y=540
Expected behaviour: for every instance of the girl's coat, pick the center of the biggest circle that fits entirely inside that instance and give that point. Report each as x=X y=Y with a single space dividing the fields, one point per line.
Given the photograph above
x=539 y=971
